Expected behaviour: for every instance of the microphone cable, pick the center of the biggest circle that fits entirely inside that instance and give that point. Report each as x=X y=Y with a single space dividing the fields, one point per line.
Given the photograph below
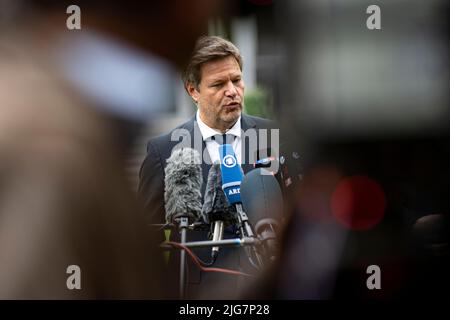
x=197 y=262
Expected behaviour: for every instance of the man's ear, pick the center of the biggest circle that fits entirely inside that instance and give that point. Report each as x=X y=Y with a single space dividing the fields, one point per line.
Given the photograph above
x=193 y=92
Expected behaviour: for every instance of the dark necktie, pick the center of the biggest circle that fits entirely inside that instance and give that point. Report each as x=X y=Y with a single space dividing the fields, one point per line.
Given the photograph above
x=223 y=138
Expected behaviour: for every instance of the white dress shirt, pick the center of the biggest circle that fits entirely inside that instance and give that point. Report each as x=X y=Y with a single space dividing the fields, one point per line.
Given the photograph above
x=213 y=146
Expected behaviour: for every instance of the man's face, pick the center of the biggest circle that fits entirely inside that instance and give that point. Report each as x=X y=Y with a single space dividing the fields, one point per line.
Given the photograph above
x=220 y=94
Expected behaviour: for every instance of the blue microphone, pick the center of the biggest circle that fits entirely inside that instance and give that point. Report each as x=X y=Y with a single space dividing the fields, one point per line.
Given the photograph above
x=231 y=174
x=231 y=184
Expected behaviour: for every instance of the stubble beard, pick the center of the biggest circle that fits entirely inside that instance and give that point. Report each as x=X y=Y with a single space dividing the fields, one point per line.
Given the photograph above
x=229 y=118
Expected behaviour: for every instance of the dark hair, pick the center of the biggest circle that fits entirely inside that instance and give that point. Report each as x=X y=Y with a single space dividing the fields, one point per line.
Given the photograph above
x=208 y=48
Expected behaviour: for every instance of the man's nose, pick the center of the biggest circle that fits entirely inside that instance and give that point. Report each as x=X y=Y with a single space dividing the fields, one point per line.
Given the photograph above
x=230 y=90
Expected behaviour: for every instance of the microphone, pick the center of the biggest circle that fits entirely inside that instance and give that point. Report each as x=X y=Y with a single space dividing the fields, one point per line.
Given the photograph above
x=231 y=184
x=263 y=200
x=216 y=209
x=231 y=174
x=182 y=196
x=288 y=171
x=183 y=181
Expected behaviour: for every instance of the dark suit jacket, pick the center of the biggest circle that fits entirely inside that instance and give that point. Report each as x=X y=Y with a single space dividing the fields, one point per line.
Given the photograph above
x=151 y=190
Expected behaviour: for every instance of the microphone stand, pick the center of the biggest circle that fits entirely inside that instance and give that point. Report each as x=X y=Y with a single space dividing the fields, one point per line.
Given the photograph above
x=218 y=235
x=184 y=223
x=235 y=242
x=243 y=222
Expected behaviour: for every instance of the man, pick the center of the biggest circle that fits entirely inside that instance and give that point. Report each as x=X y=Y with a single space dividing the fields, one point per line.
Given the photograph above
x=213 y=79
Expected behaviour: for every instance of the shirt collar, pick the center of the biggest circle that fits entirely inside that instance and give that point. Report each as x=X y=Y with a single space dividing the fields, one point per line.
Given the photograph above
x=208 y=132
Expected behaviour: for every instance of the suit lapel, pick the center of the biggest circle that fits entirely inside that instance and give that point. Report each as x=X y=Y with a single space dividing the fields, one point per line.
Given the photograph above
x=246 y=123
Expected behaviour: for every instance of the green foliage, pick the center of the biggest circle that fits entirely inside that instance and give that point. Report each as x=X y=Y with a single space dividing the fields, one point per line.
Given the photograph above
x=257 y=103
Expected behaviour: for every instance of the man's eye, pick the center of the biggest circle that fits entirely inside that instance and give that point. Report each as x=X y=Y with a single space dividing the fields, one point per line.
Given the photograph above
x=216 y=85
x=236 y=80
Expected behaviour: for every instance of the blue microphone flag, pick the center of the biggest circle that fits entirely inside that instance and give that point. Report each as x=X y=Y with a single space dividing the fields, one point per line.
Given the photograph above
x=231 y=174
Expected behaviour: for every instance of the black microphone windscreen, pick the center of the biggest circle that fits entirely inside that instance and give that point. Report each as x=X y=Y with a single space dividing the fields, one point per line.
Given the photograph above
x=214 y=180
x=263 y=202
x=183 y=181
x=261 y=196
x=215 y=205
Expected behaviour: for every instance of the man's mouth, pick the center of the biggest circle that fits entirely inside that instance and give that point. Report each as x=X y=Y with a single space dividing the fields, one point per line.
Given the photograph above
x=232 y=105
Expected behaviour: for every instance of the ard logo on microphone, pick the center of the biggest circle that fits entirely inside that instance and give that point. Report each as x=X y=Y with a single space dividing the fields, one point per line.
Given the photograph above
x=229 y=161
x=234 y=191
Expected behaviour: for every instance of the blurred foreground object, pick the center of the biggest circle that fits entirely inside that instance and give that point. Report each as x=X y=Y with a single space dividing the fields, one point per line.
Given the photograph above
x=369 y=110
x=68 y=112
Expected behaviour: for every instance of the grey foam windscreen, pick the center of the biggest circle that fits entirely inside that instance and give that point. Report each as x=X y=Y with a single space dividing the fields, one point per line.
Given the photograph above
x=183 y=181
